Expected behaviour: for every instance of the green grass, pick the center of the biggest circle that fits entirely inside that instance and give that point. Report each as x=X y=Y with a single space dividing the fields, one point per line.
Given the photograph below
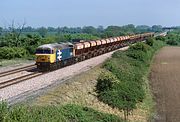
x=13 y=62
x=67 y=113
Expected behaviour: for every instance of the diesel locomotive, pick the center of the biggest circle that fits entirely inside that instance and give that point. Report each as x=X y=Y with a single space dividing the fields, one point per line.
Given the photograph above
x=57 y=55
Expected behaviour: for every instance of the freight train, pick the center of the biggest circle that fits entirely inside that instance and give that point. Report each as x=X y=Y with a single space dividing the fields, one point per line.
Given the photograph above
x=57 y=55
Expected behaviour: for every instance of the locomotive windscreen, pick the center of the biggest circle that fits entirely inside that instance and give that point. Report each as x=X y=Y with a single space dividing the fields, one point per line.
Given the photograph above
x=43 y=51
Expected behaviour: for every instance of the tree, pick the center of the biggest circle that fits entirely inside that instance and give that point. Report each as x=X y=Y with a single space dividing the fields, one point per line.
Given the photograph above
x=100 y=29
x=123 y=95
x=112 y=31
x=58 y=30
x=65 y=29
x=13 y=37
x=28 y=29
x=1 y=30
x=129 y=29
x=150 y=41
x=142 y=28
x=157 y=28
x=42 y=31
x=51 y=29
x=89 y=30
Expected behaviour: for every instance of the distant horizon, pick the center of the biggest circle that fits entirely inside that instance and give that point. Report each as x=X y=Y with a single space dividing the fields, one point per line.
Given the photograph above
x=18 y=25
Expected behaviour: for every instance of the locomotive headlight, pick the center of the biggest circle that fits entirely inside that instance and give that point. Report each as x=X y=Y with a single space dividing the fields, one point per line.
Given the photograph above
x=48 y=57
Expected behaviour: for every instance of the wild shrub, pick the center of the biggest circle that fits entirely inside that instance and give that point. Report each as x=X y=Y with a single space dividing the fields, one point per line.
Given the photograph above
x=138 y=55
x=13 y=52
x=106 y=80
x=140 y=51
x=123 y=96
x=150 y=41
x=157 y=44
x=122 y=72
x=66 y=113
x=161 y=38
x=172 y=42
x=140 y=46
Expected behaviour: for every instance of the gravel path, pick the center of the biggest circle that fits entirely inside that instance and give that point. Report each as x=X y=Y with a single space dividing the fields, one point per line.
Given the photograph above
x=25 y=89
x=165 y=82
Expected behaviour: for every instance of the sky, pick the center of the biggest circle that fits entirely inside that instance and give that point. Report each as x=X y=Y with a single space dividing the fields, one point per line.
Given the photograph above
x=79 y=13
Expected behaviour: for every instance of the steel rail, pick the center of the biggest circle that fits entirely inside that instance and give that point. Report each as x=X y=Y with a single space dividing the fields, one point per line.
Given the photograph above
x=13 y=71
x=19 y=79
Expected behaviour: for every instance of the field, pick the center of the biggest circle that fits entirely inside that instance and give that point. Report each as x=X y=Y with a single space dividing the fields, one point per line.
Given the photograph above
x=165 y=84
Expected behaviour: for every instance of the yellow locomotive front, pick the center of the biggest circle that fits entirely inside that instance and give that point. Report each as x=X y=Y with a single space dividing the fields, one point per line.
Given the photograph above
x=45 y=57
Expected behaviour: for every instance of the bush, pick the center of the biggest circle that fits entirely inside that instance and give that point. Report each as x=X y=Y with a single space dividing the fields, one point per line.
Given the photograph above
x=172 y=42
x=106 y=80
x=123 y=96
x=122 y=72
x=138 y=55
x=157 y=45
x=140 y=51
x=14 y=52
x=140 y=46
x=150 y=41
x=161 y=38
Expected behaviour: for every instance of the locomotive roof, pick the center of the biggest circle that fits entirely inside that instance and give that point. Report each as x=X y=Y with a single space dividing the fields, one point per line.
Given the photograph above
x=55 y=45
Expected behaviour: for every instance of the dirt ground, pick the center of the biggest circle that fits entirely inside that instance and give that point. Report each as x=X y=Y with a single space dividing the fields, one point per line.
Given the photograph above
x=165 y=84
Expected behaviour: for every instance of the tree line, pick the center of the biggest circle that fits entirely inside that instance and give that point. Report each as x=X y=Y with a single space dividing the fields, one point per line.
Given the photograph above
x=97 y=31
x=21 y=42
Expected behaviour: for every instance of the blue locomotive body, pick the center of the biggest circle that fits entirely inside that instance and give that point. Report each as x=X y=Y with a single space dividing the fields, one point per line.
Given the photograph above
x=64 y=54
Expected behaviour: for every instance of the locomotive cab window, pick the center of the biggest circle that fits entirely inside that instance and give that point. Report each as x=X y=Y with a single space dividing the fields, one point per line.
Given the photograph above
x=44 y=51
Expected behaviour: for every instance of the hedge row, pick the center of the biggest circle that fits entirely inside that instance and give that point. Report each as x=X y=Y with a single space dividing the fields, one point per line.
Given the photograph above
x=12 y=52
x=122 y=86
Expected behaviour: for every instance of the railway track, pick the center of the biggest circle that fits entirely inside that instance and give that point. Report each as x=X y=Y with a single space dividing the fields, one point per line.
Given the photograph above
x=19 y=79
x=6 y=73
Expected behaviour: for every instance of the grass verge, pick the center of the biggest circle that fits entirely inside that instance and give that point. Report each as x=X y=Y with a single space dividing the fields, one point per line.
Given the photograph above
x=14 y=62
x=67 y=113
x=125 y=83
